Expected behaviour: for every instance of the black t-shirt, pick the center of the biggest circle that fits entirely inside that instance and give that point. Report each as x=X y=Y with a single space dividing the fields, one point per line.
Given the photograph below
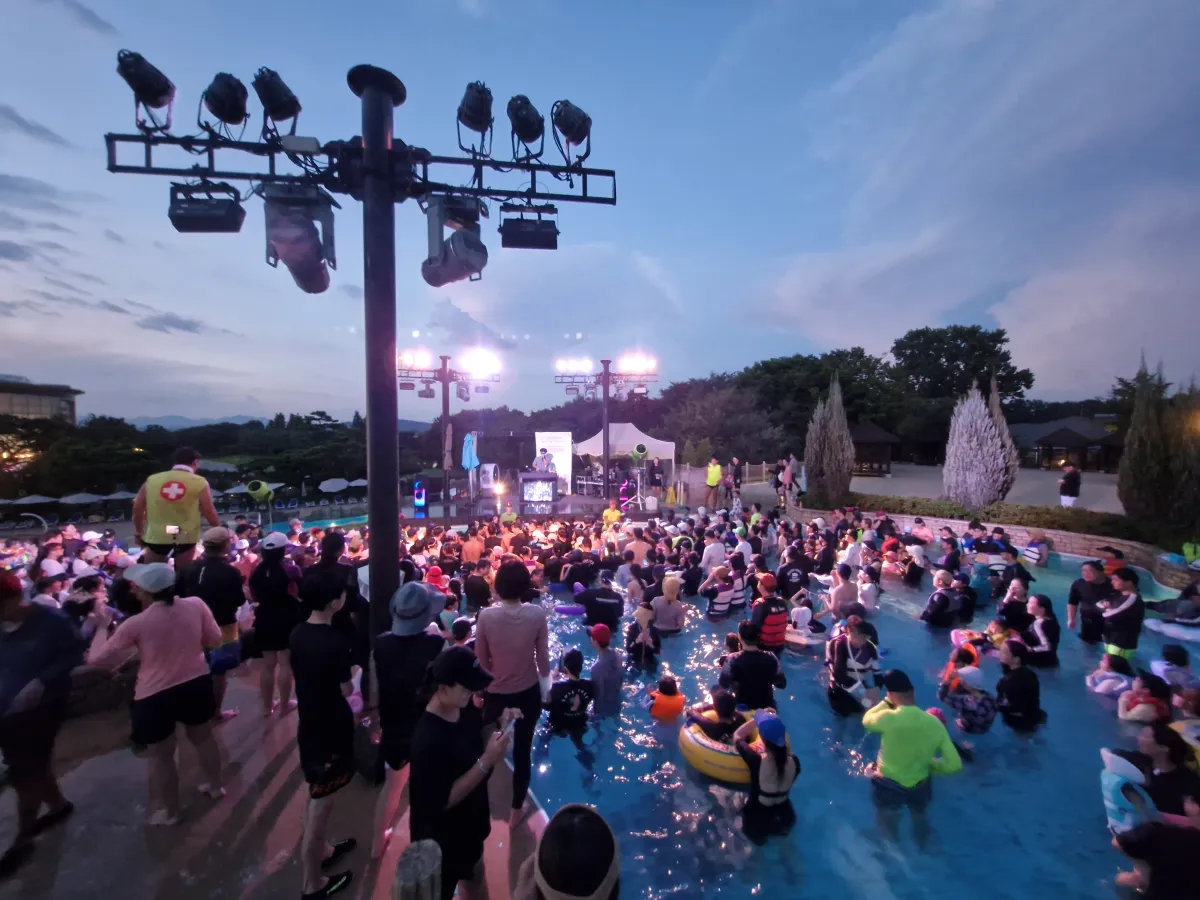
x=603 y=606
x=692 y=578
x=321 y=659
x=519 y=540
x=552 y=567
x=1171 y=852
x=755 y=544
x=754 y=673
x=568 y=704
x=400 y=665
x=219 y=585
x=442 y=752
x=1019 y=695
x=1168 y=790
x=791 y=578
x=477 y=591
x=1070 y=484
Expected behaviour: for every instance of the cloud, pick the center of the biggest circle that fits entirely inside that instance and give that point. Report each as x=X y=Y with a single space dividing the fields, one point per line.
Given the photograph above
x=351 y=290
x=137 y=304
x=109 y=306
x=64 y=285
x=168 y=322
x=473 y=8
x=13 y=121
x=451 y=322
x=61 y=299
x=83 y=15
x=740 y=44
x=988 y=144
x=656 y=274
x=34 y=194
x=10 y=308
x=15 y=252
x=113 y=236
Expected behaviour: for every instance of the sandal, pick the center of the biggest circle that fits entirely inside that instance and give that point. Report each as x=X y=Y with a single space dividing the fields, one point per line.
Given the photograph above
x=335 y=884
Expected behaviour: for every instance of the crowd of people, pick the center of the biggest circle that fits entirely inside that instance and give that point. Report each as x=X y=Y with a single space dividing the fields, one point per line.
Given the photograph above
x=464 y=674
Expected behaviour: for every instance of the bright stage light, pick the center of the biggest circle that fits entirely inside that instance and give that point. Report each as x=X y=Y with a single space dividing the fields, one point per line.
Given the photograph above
x=479 y=362
x=416 y=359
x=416 y=332
x=574 y=366
x=637 y=364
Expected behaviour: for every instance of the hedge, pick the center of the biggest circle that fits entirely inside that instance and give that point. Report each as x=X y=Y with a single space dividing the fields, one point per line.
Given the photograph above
x=1080 y=521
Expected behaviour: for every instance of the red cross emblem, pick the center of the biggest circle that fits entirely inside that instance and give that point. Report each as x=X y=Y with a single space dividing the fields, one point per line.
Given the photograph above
x=172 y=491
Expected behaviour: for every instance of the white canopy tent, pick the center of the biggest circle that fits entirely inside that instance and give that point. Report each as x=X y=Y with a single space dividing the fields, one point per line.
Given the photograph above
x=622 y=438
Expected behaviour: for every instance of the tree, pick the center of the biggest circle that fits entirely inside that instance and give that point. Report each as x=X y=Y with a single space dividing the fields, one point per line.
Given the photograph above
x=358 y=423
x=976 y=468
x=947 y=362
x=729 y=418
x=1183 y=431
x=1144 y=476
x=829 y=451
x=1012 y=456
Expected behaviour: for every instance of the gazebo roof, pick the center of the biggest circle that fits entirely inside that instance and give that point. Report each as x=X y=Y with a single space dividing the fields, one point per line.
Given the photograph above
x=867 y=432
x=1066 y=437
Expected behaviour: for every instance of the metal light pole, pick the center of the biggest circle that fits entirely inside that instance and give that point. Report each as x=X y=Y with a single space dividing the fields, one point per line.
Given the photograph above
x=445 y=379
x=380 y=92
x=604 y=380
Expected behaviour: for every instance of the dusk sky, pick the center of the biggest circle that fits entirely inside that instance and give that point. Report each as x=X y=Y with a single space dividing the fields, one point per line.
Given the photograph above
x=793 y=176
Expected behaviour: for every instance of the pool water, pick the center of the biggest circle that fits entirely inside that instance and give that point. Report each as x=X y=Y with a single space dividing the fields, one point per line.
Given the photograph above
x=1024 y=820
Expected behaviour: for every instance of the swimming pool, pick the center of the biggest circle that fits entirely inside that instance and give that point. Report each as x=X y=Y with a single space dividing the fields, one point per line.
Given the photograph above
x=1024 y=820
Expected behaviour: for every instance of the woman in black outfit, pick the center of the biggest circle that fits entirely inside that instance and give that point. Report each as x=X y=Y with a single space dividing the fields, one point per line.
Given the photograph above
x=1042 y=635
x=274 y=589
x=773 y=771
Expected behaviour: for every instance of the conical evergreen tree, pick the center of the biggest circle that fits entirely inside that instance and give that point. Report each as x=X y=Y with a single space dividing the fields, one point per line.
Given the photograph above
x=976 y=461
x=1144 y=476
x=1184 y=433
x=829 y=451
x=1012 y=457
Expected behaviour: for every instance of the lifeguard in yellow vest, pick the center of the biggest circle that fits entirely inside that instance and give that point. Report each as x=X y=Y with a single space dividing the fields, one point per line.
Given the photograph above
x=168 y=509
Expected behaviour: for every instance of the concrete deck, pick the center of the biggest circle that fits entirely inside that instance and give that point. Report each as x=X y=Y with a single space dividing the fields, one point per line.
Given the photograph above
x=243 y=846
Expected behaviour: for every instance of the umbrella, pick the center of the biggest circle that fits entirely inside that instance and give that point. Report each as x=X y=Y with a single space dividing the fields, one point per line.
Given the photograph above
x=81 y=499
x=359 y=482
x=34 y=500
x=333 y=485
x=122 y=495
x=274 y=485
x=238 y=489
x=214 y=492
x=5 y=502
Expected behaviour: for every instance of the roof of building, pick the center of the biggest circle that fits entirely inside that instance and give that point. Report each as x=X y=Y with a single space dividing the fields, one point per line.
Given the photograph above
x=1073 y=431
x=42 y=390
x=867 y=432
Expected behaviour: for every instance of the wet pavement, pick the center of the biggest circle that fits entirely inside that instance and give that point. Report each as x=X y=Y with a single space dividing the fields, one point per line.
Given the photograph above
x=245 y=845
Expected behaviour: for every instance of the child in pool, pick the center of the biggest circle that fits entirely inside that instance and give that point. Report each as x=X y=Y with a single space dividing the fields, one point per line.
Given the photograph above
x=666 y=704
x=727 y=722
x=1113 y=677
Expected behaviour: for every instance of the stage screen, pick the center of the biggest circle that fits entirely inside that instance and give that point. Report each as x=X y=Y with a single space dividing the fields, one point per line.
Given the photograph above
x=560 y=446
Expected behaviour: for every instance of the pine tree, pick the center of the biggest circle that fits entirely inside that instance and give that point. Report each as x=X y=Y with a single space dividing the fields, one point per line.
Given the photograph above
x=829 y=451
x=1012 y=457
x=1184 y=434
x=976 y=462
x=1144 y=476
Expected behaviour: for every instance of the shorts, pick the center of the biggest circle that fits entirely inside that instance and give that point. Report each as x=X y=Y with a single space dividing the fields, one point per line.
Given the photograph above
x=154 y=718
x=1066 y=502
x=27 y=739
x=326 y=773
x=889 y=794
x=186 y=551
x=459 y=862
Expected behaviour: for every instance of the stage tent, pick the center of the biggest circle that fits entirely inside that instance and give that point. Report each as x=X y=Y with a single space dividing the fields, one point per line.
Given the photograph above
x=622 y=438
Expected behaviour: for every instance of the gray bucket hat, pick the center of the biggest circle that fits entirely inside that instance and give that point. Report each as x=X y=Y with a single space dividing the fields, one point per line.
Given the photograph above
x=414 y=606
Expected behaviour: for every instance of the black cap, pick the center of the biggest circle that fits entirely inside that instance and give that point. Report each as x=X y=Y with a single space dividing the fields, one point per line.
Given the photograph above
x=896 y=682
x=458 y=665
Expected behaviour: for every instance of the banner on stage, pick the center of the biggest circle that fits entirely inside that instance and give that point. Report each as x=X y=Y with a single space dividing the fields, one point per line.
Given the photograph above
x=559 y=445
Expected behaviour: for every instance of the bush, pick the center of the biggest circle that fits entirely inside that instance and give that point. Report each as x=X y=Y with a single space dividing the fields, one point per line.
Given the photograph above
x=1080 y=521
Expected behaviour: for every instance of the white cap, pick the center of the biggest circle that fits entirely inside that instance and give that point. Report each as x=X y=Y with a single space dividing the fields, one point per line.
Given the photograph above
x=93 y=553
x=152 y=577
x=52 y=568
x=78 y=567
x=91 y=535
x=700 y=510
x=243 y=544
x=971 y=676
x=276 y=540
x=124 y=562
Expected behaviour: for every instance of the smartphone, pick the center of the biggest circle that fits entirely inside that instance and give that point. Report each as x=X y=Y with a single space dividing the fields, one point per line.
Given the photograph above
x=171 y=529
x=510 y=727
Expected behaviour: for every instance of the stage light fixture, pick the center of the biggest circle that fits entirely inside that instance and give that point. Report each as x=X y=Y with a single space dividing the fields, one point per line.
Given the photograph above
x=589 y=394
x=639 y=390
x=481 y=389
x=278 y=101
x=528 y=127
x=463 y=391
x=462 y=255
x=636 y=364
x=533 y=227
x=407 y=386
x=291 y=214
x=575 y=126
x=426 y=393
x=479 y=362
x=151 y=88
x=226 y=99
x=206 y=208
x=572 y=392
x=475 y=114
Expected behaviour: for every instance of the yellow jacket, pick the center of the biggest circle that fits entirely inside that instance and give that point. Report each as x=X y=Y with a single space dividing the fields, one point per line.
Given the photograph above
x=173 y=498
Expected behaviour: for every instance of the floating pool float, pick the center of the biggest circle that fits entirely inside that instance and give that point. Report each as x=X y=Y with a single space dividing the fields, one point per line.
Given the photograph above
x=801 y=642
x=1174 y=629
x=1190 y=729
x=569 y=609
x=716 y=759
x=1126 y=803
x=960 y=636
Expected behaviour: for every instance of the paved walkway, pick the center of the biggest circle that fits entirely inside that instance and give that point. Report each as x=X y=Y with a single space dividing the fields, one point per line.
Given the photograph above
x=241 y=847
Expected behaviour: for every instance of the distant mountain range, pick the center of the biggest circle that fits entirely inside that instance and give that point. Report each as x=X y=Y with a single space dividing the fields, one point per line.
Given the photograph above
x=178 y=423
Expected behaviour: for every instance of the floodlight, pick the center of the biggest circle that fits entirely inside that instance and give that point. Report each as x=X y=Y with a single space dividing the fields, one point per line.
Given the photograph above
x=589 y=394
x=479 y=362
x=151 y=88
x=291 y=213
x=572 y=392
x=481 y=388
x=463 y=256
x=407 y=386
x=279 y=103
x=463 y=391
x=575 y=126
x=426 y=393
x=475 y=113
x=532 y=229
x=639 y=390
x=528 y=127
x=206 y=208
x=637 y=364
x=226 y=99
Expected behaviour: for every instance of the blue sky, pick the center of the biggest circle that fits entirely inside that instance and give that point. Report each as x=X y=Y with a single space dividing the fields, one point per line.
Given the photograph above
x=794 y=175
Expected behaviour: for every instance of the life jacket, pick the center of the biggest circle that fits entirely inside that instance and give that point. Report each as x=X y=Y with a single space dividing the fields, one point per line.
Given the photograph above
x=1032 y=553
x=948 y=672
x=173 y=499
x=1111 y=564
x=1142 y=698
x=857 y=671
x=737 y=597
x=773 y=635
x=666 y=707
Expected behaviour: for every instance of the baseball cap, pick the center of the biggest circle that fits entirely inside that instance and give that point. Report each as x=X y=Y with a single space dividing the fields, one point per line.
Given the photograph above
x=276 y=540
x=91 y=536
x=767 y=582
x=434 y=575
x=971 y=676
x=896 y=682
x=216 y=536
x=770 y=728
x=243 y=544
x=458 y=665
x=152 y=577
x=601 y=634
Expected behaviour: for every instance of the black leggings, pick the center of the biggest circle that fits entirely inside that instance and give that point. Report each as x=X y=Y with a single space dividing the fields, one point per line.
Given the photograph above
x=529 y=702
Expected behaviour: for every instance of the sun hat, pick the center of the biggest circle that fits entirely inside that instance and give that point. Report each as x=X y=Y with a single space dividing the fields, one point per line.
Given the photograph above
x=152 y=577
x=414 y=606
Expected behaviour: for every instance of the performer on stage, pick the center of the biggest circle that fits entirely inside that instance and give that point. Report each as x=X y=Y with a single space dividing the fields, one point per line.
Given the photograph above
x=654 y=473
x=544 y=462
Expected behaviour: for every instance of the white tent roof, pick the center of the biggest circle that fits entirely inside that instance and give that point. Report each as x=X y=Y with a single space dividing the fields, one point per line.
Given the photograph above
x=622 y=438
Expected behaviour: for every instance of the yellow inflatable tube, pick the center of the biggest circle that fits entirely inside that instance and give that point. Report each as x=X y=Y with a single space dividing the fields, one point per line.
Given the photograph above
x=1190 y=729
x=714 y=758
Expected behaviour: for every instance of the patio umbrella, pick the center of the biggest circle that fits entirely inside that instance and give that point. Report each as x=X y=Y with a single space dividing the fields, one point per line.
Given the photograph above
x=34 y=500
x=5 y=502
x=359 y=482
x=81 y=499
x=238 y=489
x=122 y=495
x=215 y=492
x=333 y=485
x=275 y=485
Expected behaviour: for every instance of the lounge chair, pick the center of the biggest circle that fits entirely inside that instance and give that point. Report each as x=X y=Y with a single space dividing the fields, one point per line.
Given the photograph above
x=293 y=504
x=339 y=500
x=279 y=505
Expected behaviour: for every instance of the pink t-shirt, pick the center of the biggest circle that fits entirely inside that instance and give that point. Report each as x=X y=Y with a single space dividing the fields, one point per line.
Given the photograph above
x=511 y=642
x=170 y=640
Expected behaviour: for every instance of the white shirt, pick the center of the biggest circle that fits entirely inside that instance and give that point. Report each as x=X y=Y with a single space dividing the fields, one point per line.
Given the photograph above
x=851 y=556
x=714 y=555
x=746 y=550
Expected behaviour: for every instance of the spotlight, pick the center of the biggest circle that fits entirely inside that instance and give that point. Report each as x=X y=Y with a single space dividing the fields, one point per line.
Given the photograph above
x=639 y=390
x=291 y=214
x=407 y=386
x=206 y=208
x=151 y=88
x=475 y=113
x=572 y=392
x=481 y=388
x=522 y=233
x=575 y=126
x=636 y=364
x=423 y=359
x=462 y=255
x=528 y=127
x=463 y=391
x=279 y=103
x=426 y=393
x=589 y=394
x=480 y=363
x=226 y=98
